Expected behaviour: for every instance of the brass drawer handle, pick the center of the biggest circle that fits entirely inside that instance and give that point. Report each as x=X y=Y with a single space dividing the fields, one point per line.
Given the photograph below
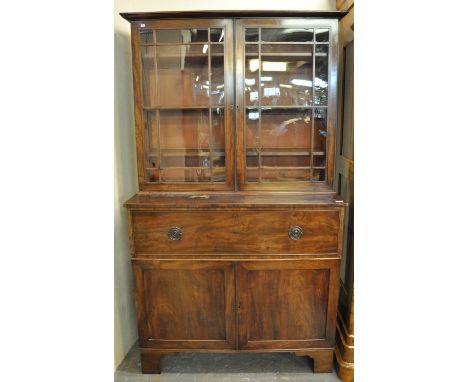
x=174 y=233
x=295 y=232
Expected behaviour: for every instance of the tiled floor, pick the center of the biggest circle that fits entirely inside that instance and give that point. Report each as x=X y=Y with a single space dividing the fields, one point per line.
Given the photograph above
x=201 y=367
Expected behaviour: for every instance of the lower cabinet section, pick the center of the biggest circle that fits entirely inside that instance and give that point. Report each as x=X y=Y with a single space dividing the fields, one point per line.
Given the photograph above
x=204 y=305
x=185 y=304
x=287 y=304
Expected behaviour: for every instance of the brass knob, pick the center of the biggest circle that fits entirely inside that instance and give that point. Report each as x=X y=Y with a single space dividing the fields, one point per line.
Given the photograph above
x=174 y=233
x=295 y=232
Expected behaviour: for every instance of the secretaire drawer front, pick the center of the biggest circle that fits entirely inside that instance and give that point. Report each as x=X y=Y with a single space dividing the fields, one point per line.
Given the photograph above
x=218 y=232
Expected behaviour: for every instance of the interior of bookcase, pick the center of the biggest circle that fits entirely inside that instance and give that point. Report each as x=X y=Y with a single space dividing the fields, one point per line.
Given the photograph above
x=183 y=104
x=285 y=104
x=285 y=100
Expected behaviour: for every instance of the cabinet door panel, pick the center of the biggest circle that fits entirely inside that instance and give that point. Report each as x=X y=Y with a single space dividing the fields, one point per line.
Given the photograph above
x=285 y=93
x=183 y=96
x=287 y=304
x=185 y=304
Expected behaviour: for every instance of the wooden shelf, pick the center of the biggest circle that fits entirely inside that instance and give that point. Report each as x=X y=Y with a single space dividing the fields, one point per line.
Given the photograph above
x=283 y=151
x=282 y=54
x=277 y=168
x=266 y=107
x=176 y=152
x=180 y=107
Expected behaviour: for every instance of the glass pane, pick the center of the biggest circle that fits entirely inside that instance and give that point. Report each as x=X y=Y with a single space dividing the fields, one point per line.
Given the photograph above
x=321 y=80
x=217 y=126
x=285 y=174
x=181 y=35
x=251 y=78
x=251 y=49
x=320 y=131
x=146 y=36
x=184 y=129
x=286 y=129
x=148 y=74
x=321 y=35
x=251 y=34
x=288 y=49
x=321 y=49
x=286 y=81
x=285 y=145
x=318 y=175
x=252 y=140
x=217 y=75
x=216 y=34
x=287 y=35
x=183 y=75
x=319 y=161
x=152 y=146
x=184 y=174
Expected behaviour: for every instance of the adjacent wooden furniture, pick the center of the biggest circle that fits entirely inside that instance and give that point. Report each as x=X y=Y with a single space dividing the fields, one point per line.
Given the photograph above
x=344 y=352
x=236 y=233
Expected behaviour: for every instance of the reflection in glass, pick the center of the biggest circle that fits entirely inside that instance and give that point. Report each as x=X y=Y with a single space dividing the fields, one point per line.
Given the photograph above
x=183 y=99
x=251 y=78
x=318 y=175
x=321 y=49
x=216 y=35
x=321 y=80
x=251 y=34
x=321 y=35
x=217 y=75
x=282 y=49
x=282 y=142
x=146 y=36
x=287 y=35
x=217 y=126
x=148 y=76
x=286 y=129
x=184 y=129
x=320 y=130
x=183 y=75
x=286 y=81
x=171 y=36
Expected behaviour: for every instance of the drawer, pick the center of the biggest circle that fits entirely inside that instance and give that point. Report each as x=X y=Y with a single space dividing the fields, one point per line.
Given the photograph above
x=242 y=232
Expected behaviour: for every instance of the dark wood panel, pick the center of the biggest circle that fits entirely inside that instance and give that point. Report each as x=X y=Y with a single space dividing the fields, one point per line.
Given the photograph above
x=237 y=232
x=287 y=304
x=185 y=304
x=275 y=295
x=135 y=16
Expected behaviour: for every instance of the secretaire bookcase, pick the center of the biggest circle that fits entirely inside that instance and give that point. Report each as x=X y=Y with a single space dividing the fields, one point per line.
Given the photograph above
x=236 y=232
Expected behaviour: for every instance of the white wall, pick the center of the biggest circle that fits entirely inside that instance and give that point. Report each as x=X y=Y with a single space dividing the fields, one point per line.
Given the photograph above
x=125 y=156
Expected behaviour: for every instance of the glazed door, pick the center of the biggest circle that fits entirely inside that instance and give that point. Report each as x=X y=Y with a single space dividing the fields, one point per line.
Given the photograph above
x=287 y=304
x=183 y=80
x=285 y=95
x=185 y=304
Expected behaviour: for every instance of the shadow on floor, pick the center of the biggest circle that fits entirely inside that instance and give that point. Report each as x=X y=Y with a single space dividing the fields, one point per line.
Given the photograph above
x=220 y=367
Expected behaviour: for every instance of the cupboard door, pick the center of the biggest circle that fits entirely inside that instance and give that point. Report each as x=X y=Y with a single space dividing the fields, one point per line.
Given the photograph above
x=185 y=304
x=286 y=88
x=287 y=304
x=185 y=88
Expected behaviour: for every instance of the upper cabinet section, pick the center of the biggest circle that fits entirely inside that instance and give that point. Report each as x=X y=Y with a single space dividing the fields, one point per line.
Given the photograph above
x=214 y=95
x=185 y=79
x=286 y=91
